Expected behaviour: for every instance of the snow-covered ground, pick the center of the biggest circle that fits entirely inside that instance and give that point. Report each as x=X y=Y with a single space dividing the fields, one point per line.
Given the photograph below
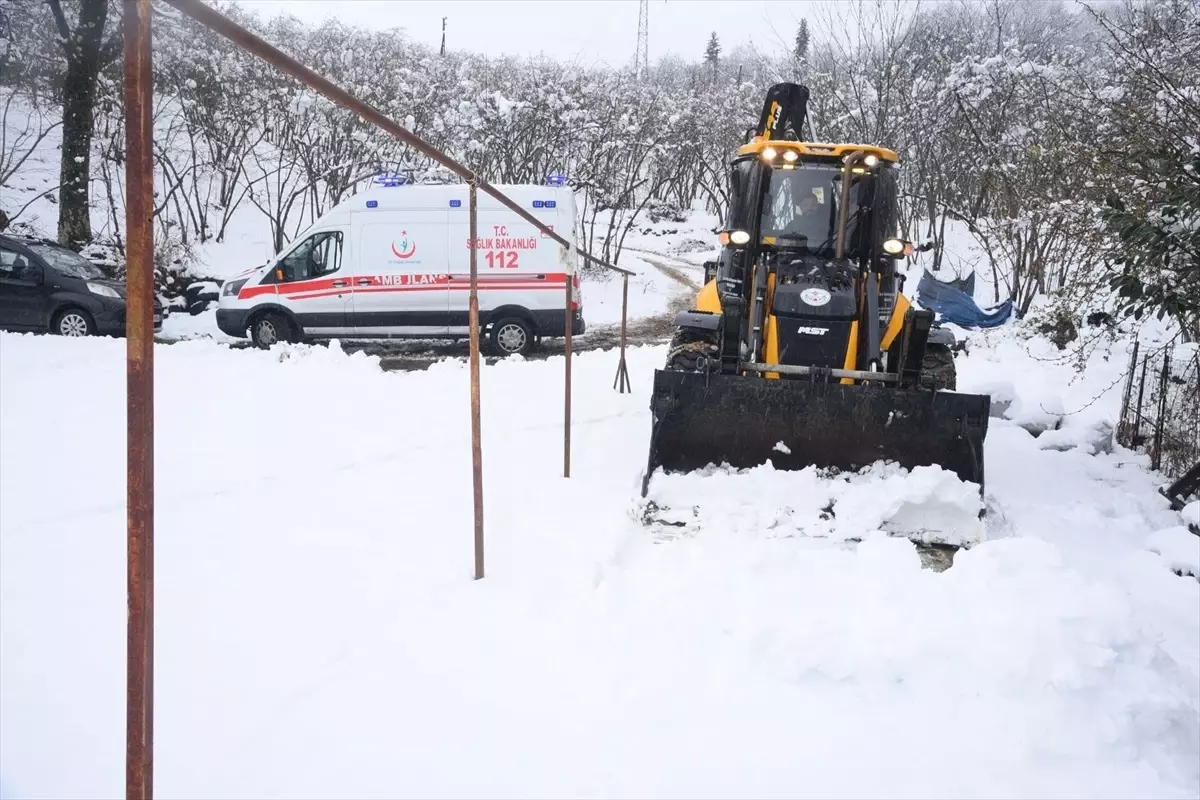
x=319 y=634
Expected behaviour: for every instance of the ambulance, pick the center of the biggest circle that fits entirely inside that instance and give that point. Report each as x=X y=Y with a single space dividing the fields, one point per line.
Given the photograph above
x=394 y=261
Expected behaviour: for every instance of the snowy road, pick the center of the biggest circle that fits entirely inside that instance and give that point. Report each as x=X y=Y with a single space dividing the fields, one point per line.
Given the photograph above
x=319 y=634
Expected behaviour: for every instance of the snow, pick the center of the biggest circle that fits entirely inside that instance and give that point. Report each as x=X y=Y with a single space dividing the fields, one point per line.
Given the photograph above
x=180 y=325
x=651 y=293
x=1191 y=513
x=1092 y=437
x=1179 y=546
x=319 y=634
x=927 y=504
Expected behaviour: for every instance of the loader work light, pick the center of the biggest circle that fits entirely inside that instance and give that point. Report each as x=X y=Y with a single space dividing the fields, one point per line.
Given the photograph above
x=893 y=247
x=790 y=156
x=871 y=160
x=769 y=154
x=739 y=237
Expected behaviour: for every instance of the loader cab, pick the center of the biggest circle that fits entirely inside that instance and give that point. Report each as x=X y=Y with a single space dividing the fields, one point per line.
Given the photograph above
x=806 y=229
x=786 y=196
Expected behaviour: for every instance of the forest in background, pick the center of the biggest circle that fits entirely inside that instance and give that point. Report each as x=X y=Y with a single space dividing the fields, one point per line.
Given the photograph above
x=1064 y=136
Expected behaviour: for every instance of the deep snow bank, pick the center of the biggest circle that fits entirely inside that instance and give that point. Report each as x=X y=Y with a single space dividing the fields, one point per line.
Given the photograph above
x=319 y=634
x=928 y=504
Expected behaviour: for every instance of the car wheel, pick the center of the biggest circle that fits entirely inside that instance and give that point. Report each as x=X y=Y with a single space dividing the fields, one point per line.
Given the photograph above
x=270 y=329
x=73 y=322
x=512 y=336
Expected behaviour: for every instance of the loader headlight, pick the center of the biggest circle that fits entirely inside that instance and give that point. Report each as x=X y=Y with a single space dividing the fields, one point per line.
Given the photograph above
x=769 y=154
x=893 y=247
x=790 y=156
x=739 y=237
x=871 y=160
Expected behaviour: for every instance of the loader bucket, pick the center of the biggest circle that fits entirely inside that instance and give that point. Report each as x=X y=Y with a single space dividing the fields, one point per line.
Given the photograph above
x=740 y=421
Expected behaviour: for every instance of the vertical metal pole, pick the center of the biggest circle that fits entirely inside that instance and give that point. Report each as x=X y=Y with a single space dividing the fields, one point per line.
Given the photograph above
x=1127 y=395
x=1137 y=424
x=567 y=374
x=476 y=425
x=1160 y=421
x=139 y=331
x=622 y=380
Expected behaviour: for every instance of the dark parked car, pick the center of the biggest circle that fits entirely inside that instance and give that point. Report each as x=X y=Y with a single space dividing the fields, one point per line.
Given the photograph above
x=47 y=287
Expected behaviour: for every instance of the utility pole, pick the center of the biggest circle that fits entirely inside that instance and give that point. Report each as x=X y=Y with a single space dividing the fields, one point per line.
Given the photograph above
x=443 y=36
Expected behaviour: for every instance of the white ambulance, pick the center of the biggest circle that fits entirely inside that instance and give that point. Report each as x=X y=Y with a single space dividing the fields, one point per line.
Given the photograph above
x=394 y=262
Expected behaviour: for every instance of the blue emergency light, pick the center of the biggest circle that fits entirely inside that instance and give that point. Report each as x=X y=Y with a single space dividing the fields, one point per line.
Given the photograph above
x=551 y=203
x=456 y=203
x=372 y=203
x=391 y=179
x=556 y=179
x=538 y=204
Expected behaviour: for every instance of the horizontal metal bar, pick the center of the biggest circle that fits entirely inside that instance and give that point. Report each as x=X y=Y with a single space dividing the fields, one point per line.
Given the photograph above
x=790 y=369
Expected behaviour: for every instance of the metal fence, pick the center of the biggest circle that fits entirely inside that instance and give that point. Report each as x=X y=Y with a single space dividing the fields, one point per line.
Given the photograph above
x=1160 y=407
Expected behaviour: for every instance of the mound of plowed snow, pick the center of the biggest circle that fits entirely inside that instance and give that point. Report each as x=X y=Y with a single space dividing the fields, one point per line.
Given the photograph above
x=927 y=504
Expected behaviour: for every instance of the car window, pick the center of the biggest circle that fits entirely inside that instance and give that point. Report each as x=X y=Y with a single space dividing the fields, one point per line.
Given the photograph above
x=17 y=266
x=68 y=262
x=317 y=256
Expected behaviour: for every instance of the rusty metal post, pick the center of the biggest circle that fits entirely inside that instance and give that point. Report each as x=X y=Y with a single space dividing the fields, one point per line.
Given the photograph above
x=567 y=374
x=476 y=425
x=1161 y=417
x=1137 y=423
x=1127 y=396
x=139 y=331
x=621 y=382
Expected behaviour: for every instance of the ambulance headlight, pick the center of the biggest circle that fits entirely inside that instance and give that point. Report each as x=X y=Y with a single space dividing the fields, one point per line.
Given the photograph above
x=232 y=287
x=739 y=237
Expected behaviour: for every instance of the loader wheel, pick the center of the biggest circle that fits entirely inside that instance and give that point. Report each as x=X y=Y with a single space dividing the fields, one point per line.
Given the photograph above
x=937 y=368
x=693 y=351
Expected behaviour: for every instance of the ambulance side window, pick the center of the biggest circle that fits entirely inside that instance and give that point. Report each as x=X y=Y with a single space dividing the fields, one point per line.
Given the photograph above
x=315 y=257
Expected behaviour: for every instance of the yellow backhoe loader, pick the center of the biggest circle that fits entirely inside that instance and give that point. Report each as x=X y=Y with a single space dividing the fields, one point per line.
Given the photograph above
x=801 y=334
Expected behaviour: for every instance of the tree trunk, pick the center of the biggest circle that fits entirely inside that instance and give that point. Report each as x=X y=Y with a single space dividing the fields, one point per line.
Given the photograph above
x=84 y=59
x=74 y=223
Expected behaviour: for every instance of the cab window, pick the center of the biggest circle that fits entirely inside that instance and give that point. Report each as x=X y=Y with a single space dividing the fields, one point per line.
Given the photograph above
x=315 y=257
x=740 y=199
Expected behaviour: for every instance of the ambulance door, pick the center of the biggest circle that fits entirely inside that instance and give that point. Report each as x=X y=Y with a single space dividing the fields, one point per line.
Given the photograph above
x=314 y=282
x=401 y=279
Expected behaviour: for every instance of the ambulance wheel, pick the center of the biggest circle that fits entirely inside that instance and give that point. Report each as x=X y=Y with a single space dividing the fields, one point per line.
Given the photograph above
x=270 y=329
x=512 y=336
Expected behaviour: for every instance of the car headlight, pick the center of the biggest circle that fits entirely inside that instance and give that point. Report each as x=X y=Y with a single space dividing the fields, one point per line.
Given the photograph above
x=233 y=287
x=739 y=237
x=103 y=291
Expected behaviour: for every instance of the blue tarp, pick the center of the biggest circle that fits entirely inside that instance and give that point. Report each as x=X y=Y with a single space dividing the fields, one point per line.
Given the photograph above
x=952 y=304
